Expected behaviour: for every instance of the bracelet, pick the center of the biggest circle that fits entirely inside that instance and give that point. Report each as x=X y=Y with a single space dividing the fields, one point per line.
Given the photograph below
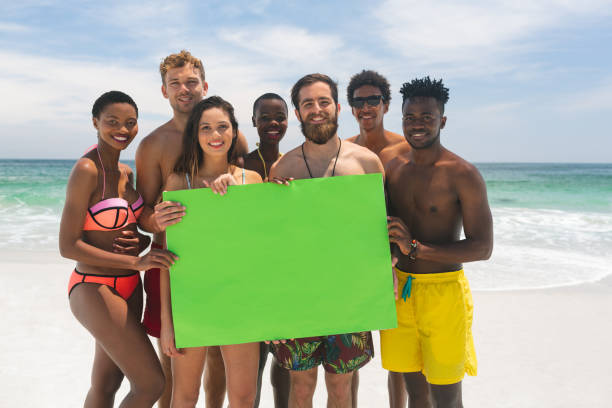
x=413 y=250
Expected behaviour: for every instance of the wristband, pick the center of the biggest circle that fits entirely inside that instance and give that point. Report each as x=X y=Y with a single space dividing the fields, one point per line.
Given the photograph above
x=413 y=250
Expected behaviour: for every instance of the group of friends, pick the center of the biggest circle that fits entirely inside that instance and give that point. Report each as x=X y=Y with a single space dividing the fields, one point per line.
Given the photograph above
x=432 y=196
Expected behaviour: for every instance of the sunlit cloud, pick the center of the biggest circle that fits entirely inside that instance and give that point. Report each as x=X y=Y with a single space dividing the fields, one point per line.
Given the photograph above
x=472 y=37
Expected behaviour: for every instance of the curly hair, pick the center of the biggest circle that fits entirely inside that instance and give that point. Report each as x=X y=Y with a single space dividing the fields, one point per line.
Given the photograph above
x=180 y=60
x=427 y=88
x=368 y=77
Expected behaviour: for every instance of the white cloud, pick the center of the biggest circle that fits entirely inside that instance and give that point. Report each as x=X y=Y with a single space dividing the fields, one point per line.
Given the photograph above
x=155 y=24
x=13 y=27
x=61 y=89
x=475 y=34
x=287 y=44
x=595 y=99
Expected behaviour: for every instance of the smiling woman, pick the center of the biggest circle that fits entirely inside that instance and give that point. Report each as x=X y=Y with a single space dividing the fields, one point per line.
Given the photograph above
x=104 y=290
x=208 y=151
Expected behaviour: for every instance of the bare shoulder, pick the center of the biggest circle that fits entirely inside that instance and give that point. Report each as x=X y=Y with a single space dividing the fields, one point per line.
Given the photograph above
x=157 y=140
x=286 y=162
x=85 y=167
x=394 y=137
x=394 y=151
x=461 y=169
x=175 y=181
x=252 y=177
x=368 y=159
x=352 y=139
x=83 y=178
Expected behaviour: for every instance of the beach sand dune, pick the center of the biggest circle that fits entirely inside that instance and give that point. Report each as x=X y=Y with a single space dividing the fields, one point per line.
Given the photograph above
x=536 y=348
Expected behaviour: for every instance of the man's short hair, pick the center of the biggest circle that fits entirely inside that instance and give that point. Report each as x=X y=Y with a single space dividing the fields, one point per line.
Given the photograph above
x=368 y=77
x=268 y=96
x=425 y=87
x=180 y=60
x=309 y=80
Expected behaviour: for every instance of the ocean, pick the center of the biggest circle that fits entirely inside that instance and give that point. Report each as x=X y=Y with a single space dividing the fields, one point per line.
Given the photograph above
x=553 y=222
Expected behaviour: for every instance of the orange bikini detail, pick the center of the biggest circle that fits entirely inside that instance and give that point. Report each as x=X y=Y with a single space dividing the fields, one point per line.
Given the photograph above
x=123 y=284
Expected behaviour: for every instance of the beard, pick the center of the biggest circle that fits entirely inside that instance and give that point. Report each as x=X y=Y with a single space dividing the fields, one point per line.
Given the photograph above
x=319 y=133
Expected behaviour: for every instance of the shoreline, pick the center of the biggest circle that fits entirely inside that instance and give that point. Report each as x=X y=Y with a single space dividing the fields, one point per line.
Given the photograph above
x=46 y=257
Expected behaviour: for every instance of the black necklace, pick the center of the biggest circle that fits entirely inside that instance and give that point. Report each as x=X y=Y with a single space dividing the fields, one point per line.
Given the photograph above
x=335 y=162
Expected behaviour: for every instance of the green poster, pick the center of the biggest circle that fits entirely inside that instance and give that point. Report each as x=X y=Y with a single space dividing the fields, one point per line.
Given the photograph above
x=268 y=261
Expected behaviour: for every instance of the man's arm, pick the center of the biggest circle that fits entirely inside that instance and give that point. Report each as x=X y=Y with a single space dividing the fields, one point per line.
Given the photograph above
x=477 y=223
x=149 y=179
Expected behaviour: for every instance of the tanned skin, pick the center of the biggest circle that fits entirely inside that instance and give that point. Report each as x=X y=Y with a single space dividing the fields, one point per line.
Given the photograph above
x=372 y=133
x=433 y=195
x=155 y=160
x=215 y=138
x=316 y=105
x=122 y=347
x=377 y=139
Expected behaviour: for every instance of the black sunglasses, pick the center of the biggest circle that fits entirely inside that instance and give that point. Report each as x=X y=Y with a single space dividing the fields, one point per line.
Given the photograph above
x=372 y=100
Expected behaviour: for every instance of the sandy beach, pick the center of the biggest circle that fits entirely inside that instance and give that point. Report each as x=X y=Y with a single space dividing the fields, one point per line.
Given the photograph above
x=536 y=348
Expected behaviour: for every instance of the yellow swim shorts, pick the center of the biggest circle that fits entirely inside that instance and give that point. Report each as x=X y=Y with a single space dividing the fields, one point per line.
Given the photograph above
x=434 y=333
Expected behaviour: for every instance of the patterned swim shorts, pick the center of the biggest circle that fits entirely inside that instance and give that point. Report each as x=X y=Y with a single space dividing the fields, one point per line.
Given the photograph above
x=339 y=354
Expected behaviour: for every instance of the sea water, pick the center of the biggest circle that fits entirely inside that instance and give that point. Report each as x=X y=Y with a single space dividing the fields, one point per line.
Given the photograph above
x=552 y=222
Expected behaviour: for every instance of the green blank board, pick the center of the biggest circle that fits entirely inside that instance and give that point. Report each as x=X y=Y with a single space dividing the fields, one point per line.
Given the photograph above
x=268 y=261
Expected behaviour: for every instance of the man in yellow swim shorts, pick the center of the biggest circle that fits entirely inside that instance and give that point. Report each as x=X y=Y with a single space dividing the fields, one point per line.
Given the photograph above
x=433 y=195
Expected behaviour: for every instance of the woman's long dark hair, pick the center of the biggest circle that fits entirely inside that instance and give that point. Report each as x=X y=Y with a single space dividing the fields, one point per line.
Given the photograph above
x=192 y=156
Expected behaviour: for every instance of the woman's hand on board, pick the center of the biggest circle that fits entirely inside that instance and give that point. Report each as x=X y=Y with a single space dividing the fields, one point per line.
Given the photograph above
x=220 y=184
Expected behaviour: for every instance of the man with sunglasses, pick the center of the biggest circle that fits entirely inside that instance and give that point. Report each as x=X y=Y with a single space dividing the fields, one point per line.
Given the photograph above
x=369 y=95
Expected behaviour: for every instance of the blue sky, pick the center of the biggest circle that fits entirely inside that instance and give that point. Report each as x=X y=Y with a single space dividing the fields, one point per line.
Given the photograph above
x=529 y=81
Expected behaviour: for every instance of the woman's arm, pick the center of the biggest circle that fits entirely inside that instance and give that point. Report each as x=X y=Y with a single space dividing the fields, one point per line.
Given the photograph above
x=81 y=185
x=168 y=345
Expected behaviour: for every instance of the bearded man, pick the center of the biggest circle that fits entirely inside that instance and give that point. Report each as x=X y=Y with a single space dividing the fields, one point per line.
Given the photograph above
x=323 y=154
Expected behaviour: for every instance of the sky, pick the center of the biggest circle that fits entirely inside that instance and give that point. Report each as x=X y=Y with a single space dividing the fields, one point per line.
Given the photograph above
x=530 y=81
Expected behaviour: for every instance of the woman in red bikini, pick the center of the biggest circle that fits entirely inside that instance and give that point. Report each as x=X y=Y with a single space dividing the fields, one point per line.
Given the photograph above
x=206 y=162
x=105 y=291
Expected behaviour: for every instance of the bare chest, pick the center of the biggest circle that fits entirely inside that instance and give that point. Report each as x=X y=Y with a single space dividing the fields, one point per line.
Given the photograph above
x=422 y=194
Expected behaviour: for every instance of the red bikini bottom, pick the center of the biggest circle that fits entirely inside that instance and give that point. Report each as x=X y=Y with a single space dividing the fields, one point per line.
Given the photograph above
x=123 y=284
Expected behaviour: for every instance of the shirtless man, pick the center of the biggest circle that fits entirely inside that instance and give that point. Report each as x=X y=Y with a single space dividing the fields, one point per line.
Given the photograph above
x=369 y=96
x=270 y=119
x=184 y=86
x=315 y=98
x=433 y=194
